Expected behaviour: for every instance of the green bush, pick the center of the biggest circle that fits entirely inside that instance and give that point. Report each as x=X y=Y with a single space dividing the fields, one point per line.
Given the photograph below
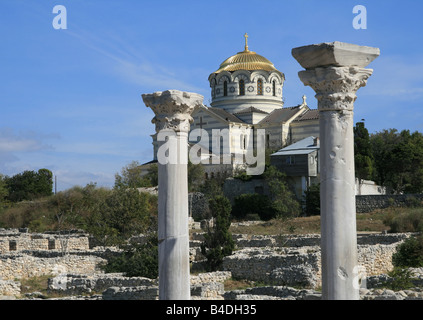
x=110 y=216
x=410 y=220
x=401 y=279
x=28 y=185
x=35 y=215
x=413 y=202
x=243 y=176
x=218 y=241
x=137 y=260
x=283 y=200
x=409 y=254
x=252 y=205
x=311 y=200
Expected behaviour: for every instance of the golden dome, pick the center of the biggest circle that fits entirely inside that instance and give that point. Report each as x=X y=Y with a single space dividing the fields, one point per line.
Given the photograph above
x=246 y=60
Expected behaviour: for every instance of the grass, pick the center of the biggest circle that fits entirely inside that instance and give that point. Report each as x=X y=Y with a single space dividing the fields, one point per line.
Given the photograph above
x=40 y=284
x=35 y=284
x=239 y=284
x=375 y=221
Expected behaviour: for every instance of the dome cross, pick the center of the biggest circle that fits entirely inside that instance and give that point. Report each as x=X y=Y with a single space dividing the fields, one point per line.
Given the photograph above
x=246 y=41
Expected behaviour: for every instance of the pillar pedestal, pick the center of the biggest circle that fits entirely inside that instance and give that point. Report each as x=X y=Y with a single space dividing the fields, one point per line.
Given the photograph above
x=173 y=111
x=335 y=71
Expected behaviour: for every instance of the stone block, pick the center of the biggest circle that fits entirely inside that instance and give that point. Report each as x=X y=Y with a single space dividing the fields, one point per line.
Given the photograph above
x=335 y=54
x=131 y=293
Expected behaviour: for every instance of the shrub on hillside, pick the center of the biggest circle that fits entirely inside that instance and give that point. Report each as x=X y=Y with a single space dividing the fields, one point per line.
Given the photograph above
x=311 y=200
x=218 y=241
x=253 y=204
x=284 y=202
x=405 y=221
x=35 y=215
x=409 y=254
x=137 y=260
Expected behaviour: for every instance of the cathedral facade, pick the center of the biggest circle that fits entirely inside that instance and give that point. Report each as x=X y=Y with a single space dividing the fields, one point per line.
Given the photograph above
x=246 y=95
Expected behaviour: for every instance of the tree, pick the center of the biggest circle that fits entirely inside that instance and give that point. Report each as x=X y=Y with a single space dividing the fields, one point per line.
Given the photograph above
x=283 y=199
x=409 y=254
x=75 y=207
x=398 y=158
x=213 y=186
x=137 y=260
x=29 y=185
x=44 y=182
x=383 y=143
x=218 y=241
x=363 y=156
x=195 y=176
x=279 y=203
x=247 y=205
x=311 y=200
x=125 y=213
x=3 y=188
x=132 y=176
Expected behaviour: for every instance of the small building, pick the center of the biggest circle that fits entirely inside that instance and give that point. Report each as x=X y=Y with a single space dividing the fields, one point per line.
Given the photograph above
x=300 y=162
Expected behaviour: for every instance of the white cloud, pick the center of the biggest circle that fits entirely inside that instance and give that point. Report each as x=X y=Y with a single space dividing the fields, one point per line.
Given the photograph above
x=396 y=77
x=28 y=141
x=132 y=66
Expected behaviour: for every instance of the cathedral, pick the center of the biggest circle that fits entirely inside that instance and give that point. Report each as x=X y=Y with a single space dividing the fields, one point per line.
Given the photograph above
x=247 y=95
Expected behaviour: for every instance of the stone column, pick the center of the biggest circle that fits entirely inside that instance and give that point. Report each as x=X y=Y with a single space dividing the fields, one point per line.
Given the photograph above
x=173 y=111
x=336 y=71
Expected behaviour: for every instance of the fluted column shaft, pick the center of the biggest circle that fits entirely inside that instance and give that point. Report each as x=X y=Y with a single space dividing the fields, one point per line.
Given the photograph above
x=173 y=111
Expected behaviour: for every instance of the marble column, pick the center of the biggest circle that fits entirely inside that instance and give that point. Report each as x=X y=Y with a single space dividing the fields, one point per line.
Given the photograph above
x=335 y=71
x=173 y=111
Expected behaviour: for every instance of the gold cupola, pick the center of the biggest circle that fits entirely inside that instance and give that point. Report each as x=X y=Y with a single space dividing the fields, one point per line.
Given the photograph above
x=246 y=60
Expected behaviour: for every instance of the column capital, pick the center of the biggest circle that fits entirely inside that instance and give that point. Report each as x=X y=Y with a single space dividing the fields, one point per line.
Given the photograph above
x=172 y=109
x=335 y=87
x=335 y=71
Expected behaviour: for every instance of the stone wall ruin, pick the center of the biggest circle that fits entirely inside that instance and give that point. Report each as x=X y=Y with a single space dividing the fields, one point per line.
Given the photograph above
x=275 y=261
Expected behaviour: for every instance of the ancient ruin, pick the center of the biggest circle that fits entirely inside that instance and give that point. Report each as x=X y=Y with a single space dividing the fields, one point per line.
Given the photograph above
x=336 y=71
x=287 y=268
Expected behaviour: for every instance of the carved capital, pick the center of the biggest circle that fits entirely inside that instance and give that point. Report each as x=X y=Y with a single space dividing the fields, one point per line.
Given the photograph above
x=335 y=87
x=172 y=109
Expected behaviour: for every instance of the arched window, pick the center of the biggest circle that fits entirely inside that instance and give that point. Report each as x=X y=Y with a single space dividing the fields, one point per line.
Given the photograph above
x=259 y=87
x=241 y=88
x=225 y=88
x=274 y=87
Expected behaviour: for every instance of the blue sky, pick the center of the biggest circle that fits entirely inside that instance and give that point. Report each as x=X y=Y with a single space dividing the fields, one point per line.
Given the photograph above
x=70 y=100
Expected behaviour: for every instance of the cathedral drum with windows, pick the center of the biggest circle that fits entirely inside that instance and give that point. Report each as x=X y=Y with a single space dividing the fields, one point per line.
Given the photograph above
x=246 y=79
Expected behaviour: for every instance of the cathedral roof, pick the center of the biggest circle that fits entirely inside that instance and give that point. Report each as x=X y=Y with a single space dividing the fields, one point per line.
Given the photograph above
x=251 y=110
x=311 y=114
x=246 y=60
x=280 y=115
x=224 y=114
